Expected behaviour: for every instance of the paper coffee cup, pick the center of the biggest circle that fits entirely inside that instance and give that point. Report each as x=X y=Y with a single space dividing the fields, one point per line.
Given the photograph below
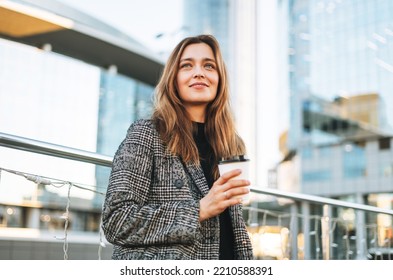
x=236 y=162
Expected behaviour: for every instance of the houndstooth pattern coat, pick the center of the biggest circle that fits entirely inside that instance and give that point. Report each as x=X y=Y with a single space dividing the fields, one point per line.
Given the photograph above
x=151 y=208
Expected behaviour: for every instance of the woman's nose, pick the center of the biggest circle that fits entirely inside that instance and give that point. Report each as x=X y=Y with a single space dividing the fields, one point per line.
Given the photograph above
x=198 y=73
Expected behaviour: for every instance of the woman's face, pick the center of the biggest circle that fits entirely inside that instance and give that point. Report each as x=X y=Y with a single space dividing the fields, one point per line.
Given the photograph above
x=197 y=77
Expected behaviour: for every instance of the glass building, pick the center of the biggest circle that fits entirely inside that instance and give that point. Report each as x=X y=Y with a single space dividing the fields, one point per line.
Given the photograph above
x=340 y=67
x=122 y=100
x=209 y=17
x=339 y=141
x=68 y=79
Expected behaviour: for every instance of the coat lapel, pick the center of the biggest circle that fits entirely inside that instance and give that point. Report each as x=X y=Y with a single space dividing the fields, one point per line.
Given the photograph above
x=198 y=177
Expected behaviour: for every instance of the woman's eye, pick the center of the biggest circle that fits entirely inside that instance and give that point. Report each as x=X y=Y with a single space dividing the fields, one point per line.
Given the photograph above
x=186 y=65
x=209 y=66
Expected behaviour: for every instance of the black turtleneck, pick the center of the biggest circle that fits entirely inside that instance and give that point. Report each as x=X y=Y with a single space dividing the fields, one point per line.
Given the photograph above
x=207 y=163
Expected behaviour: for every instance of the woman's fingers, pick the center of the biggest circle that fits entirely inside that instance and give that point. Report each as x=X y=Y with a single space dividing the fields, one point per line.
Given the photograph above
x=227 y=176
x=225 y=192
x=236 y=191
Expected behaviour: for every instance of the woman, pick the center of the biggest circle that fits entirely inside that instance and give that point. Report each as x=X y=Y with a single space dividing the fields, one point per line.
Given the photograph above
x=165 y=198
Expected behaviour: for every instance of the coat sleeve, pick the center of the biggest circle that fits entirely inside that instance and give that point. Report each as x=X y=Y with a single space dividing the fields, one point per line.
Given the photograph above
x=127 y=218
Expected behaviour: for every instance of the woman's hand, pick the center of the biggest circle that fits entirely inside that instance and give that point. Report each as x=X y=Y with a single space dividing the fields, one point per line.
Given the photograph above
x=223 y=195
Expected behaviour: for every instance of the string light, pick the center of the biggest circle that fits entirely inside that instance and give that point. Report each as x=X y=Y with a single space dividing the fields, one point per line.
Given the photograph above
x=47 y=181
x=57 y=183
x=314 y=232
x=67 y=215
x=316 y=238
x=346 y=239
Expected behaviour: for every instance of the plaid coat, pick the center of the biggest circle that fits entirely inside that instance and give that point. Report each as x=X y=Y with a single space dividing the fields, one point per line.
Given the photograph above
x=151 y=208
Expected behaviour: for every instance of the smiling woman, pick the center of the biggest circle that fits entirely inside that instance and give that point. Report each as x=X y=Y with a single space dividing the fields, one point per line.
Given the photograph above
x=197 y=80
x=165 y=198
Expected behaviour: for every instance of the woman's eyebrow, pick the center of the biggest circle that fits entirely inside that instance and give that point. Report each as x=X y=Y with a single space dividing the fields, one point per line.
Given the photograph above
x=192 y=59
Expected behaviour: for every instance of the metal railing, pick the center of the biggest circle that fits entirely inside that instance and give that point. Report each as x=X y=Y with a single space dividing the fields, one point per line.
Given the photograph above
x=322 y=200
x=40 y=147
x=300 y=208
x=45 y=148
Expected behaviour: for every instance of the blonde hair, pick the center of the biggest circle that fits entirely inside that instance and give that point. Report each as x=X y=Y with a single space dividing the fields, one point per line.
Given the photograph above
x=171 y=118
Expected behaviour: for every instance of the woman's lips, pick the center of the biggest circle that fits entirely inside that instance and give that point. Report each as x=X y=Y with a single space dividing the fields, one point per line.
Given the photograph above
x=198 y=85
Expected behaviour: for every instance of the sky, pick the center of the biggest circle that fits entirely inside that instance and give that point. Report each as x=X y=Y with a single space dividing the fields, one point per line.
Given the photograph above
x=141 y=19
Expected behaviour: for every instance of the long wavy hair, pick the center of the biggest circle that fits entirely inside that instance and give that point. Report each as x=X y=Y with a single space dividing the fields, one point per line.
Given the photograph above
x=173 y=122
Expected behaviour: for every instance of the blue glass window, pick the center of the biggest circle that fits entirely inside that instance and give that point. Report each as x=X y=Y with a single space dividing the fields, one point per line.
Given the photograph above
x=315 y=176
x=354 y=161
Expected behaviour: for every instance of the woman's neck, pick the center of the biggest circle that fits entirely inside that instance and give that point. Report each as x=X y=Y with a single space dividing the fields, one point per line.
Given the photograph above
x=197 y=113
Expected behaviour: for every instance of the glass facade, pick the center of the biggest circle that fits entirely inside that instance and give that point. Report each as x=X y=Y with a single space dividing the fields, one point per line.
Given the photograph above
x=209 y=17
x=57 y=99
x=340 y=63
x=354 y=161
x=340 y=58
x=122 y=101
x=55 y=88
x=51 y=98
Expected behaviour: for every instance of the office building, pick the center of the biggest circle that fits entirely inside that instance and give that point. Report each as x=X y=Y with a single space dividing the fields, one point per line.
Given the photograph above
x=339 y=62
x=339 y=139
x=69 y=79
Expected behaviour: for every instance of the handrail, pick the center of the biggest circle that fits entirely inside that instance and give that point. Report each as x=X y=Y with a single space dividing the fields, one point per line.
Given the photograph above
x=322 y=200
x=40 y=147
